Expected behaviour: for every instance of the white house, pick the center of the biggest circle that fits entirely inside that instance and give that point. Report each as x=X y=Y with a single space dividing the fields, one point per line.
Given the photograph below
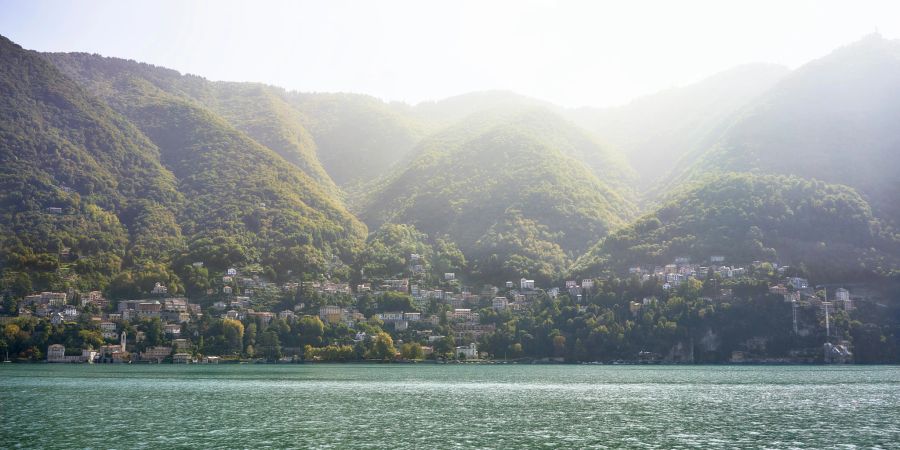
x=842 y=296
x=468 y=351
x=799 y=283
x=56 y=353
x=108 y=330
x=159 y=289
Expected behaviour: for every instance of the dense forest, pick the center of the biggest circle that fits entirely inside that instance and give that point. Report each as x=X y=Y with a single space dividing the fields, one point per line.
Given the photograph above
x=126 y=193
x=508 y=189
x=828 y=229
x=832 y=119
x=117 y=175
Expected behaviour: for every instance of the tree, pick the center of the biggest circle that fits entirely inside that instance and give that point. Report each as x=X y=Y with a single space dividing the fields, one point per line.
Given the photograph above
x=383 y=347
x=196 y=279
x=10 y=306
x=250 y=335
x=310 y=330
x=233 y=332
x=412 y=351
x=395 y=301
x=21 y=285
x=559 y=345
x=445 y=347
x=269 y=345
x=153 y=331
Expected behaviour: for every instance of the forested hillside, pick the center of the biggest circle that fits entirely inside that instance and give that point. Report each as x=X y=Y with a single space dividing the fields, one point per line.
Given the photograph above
x=119 y=174
x=82 y=191
x=508 y=190
x=241 y=199
x=133 y=194
x=834 y=119
x=359 y=137
x=260 y=111
x=829 y=229
x=656 y=131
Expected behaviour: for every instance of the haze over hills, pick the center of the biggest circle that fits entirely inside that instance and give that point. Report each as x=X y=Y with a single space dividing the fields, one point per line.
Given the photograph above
x=359 y=137
x=656 y=131
x=508 y=189
x=259 y=111
x=154 y=170
x=182 y=171
x=75 y=177
x=446 y=112
x=828 y=229
x=833 y=119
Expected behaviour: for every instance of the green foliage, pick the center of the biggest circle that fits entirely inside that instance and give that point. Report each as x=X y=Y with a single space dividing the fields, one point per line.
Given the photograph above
x=310 y=330
x=233 y=333
x=412 y=351
x=358 y=137
x=493 y=173
x=259 y=111
x=389 y=251
x=832 y=119
x=519 y=247
x=744 y=217
x=331 y=353
x=74 y=176
x=94 y=193
x=382 y=347
x=395 y=301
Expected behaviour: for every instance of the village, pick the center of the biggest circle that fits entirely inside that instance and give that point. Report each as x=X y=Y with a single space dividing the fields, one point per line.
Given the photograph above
x=449 y=306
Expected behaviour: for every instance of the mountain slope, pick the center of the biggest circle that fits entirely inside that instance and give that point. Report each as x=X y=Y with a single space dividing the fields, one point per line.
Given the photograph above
x=744 y=217
x=76 y=178
x=834 y=119
x=140 y=183
x=655 y=131
x=259 y=111
x=448 y=111
x=503 y=188
x=238 y=194
x=359 y=137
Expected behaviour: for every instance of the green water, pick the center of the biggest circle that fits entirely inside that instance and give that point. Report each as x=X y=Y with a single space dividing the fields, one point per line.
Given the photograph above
x=448 y=406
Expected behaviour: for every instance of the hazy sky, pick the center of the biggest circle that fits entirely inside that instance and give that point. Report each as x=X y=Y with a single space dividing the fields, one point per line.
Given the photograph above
x=573 y=53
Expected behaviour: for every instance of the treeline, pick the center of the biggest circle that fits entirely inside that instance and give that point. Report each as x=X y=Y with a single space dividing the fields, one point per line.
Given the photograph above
x=616 y=320
x=688 y=324
x=829 y=229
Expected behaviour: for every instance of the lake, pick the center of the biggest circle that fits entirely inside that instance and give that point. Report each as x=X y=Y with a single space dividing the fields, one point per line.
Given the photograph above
x=448 y=406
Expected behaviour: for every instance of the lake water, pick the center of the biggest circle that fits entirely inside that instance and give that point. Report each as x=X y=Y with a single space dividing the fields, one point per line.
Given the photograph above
x=448 y=406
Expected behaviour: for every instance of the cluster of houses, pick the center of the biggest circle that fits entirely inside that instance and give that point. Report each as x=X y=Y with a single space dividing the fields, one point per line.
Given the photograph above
x=57 y=308
x=460 y=302
x=682 y=270
x=55 y=305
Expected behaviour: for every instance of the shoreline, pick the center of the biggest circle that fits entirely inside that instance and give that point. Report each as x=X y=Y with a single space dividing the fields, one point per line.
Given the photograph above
x=479 y=363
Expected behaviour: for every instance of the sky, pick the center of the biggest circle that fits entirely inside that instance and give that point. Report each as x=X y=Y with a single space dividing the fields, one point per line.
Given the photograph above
x=573 y=53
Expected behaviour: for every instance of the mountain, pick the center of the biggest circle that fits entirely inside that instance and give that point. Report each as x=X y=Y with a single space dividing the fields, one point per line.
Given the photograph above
x=77 y=180
x=149 y=182
x=506 y=188
x=359 y=138
x=448 y=111
x=828 y=228
x=833 y=119
x=655 y=131
x=259 y=111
